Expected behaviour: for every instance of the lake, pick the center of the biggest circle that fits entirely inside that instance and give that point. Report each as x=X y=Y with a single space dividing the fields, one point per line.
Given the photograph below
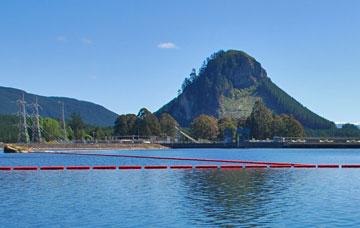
x=179 y=198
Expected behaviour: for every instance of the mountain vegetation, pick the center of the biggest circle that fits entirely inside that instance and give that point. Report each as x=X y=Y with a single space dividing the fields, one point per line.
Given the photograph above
x=91 y=113
x=228 y=85
x=264 y=124
x=205 y=127
x=145 y=124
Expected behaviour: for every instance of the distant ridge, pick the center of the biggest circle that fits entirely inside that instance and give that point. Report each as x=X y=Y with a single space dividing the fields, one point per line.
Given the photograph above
x=91 y=113
x=228 y=85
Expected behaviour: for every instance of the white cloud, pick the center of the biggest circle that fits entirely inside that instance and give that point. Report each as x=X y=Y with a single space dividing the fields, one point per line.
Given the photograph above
x=167 y=45
x=61 y=39
x=86 y=41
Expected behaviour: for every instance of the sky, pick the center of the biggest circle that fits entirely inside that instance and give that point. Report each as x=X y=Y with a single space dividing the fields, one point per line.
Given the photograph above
x=126 y=55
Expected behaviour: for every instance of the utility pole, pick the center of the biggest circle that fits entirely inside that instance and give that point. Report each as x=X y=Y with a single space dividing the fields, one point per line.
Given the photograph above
x=36 y=133
x=63 y=124
x=23 y=131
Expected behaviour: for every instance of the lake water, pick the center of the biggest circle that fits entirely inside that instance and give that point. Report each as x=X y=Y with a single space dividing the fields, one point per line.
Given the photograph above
x=179 y=198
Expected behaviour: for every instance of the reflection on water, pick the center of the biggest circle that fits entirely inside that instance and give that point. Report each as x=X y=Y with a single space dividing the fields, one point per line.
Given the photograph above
x=229 y=197
x=176 y=198
x=294 y=198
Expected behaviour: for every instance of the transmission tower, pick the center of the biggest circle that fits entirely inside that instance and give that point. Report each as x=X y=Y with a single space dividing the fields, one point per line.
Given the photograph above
x=36 y=133
x=23 y=128
x=63 y=124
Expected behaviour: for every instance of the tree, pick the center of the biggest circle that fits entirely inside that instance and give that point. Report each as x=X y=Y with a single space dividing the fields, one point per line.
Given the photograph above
x=185 y=84
x=294 y=127
x=193 y=75
x=226 y=124
x=279 y=127
x=168 y=125
x=260 y=121
x=97 y=133
x=348 y=130
x=205 y=127
x=287 y=126
x=147 y=123
x=125 y=125
x=51 y=129
x=77 y=125
x=9 y=128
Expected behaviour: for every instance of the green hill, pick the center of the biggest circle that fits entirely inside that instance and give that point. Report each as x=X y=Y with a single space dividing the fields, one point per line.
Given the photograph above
x=91 y=113
x=228 y=85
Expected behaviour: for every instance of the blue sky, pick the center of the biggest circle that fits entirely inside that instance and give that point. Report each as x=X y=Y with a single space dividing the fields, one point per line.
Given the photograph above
x=131 y=54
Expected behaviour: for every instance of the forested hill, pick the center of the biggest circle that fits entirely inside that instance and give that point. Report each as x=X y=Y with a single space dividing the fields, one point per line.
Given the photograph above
x=228 y=85
x=50 y=107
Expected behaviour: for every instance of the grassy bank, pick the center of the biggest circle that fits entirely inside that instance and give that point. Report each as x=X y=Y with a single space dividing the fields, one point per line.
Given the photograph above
x=93 y=146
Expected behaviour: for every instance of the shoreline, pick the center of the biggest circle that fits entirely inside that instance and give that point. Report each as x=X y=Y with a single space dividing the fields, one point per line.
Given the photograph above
x=81 y=147
x=43 y=147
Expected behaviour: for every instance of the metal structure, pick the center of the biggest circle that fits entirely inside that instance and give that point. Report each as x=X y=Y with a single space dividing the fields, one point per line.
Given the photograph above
x=23 y=127
x=186 y=135
x=63 y=124
x=36 y=133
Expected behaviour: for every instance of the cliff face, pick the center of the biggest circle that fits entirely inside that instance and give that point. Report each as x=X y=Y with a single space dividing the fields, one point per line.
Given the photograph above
x=228 y=85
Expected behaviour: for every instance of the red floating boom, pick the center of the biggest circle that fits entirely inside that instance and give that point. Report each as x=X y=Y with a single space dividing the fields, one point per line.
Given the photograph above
x=129 y=167
x=231 y=167
x=350 y=166
x=52 y=168
x=78 y=167
x=256 y=166
x=181 y=167
x=104 y=167
x=280 y=166
x=304 y=166
x=206 y=167
x=328 y=166
x=155 y=167
x=25 y=168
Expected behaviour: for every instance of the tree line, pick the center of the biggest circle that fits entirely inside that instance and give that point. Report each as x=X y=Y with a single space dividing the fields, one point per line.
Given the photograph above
x=261 y=124
x=51 y=129
x=145 y=124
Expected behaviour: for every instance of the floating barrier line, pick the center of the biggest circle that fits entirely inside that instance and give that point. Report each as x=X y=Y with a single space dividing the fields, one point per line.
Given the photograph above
x=52 y=168
x=173 y=158
x=78 y=167
x=130 y=167
x=208 y=166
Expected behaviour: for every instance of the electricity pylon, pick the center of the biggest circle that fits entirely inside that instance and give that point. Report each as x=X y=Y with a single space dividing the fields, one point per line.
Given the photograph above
x=63 y=124
x=23 y=136
x=36 y=133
